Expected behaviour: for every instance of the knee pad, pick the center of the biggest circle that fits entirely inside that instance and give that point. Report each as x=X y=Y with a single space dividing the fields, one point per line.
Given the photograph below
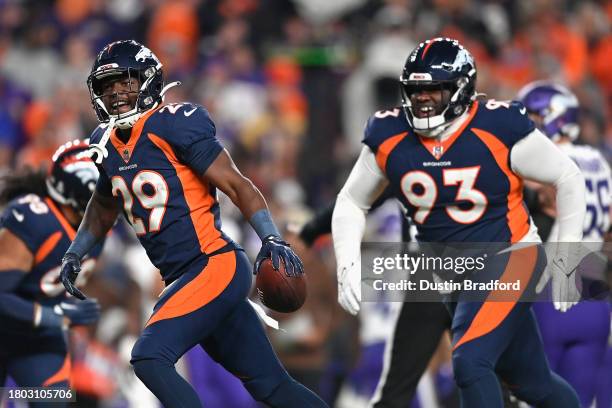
x=467 y=369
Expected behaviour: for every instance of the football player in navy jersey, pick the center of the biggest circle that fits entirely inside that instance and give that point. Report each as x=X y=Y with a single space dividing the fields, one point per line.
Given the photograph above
x=161 y=168
x=457 y=165
x=36 y=228
x=576 y=341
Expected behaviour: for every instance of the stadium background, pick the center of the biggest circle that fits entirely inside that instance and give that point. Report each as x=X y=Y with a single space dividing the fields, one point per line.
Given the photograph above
x=289 y=85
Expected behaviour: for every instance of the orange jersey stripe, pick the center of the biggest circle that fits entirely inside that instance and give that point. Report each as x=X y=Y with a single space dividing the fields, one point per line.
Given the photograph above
x=204 y=288
x=62 y=220
x=47 y=246
x=198 y=198
x=63 y=374
x=125 y=149
x=385 y=149
x=521 y=265
x=518 y=218
x=430 y=143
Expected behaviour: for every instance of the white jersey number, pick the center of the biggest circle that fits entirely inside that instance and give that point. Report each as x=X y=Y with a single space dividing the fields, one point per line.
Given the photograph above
x=156 y=201
x=421 y=192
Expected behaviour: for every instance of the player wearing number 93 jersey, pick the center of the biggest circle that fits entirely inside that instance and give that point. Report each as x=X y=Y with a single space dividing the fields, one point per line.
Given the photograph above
x=457 y=165
x=36 y=228
x=160 y=165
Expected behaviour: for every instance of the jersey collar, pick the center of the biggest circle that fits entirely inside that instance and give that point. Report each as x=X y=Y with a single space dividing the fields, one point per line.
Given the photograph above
x=438 y=146
x=125 y=150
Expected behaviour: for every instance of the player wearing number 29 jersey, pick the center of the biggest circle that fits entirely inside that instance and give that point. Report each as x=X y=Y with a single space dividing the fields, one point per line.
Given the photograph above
x=155 y=175
x=160 y=165
x=457 y=165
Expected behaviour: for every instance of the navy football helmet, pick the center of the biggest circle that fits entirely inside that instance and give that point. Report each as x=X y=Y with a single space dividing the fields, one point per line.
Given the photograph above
x=440 y=64
x=131 y=59
x=72 y=177
x=555 y=105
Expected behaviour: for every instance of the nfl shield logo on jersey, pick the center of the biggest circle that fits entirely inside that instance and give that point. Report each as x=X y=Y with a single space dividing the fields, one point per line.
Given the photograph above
x=437 y=151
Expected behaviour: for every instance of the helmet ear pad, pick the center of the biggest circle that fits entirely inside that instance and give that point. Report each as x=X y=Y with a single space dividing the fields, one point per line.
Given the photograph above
x=150 y=91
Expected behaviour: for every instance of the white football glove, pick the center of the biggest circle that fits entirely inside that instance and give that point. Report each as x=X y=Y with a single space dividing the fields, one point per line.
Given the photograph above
x=564 y=290
x=349 y=286
x=562 y=271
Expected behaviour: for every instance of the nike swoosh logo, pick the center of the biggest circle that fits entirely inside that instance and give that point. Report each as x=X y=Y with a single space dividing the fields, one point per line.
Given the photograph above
x=523 y=110
x=18 y=216
x=190 y=112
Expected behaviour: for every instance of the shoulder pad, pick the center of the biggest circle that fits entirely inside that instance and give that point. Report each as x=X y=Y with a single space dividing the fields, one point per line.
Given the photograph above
x=30 y=219
x=382 y=125
x=185 y=123
x=97 y=133
x=507 y=120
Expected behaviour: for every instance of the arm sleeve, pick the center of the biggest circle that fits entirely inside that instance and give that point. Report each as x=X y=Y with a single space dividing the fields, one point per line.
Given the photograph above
x=197 y=144
x=536 y=158
x=365 y=183
x=15 y=307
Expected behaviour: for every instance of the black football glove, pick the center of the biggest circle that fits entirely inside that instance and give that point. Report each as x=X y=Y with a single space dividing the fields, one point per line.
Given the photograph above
x=71 y=266
x=277 y=250
x=81 y=313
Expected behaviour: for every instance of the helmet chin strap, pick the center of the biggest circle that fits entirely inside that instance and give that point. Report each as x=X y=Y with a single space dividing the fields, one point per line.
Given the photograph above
x=435 y=126
x=446 y=129
x=431 y=126
x=99 y=149
x=432 y=132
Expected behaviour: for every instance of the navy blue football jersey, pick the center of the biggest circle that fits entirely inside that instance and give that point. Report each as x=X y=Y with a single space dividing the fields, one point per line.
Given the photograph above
x=461 y=189
x=157 y=177
x=39 y=223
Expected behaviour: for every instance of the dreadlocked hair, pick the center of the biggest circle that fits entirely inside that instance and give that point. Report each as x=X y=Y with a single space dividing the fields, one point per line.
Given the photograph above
x=28 y=181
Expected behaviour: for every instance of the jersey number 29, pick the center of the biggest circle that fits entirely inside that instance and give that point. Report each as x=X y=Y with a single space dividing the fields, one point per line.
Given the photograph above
x=155 y=200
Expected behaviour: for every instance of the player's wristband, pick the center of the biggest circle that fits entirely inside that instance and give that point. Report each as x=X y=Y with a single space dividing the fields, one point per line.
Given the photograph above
x=45 y=316
x=263 y=225
x=82 y=243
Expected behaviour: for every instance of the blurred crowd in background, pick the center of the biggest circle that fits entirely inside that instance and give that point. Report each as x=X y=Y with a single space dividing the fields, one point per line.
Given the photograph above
x=289 y=85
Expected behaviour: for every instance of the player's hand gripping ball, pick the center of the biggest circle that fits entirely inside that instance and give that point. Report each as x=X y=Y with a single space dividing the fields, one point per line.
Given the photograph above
x=279 y=291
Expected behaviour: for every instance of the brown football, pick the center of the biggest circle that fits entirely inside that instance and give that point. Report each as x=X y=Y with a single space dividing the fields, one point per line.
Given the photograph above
x=278 y=291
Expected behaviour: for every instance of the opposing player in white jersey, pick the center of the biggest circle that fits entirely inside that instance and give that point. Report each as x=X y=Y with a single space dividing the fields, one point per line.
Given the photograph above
x=575 y=341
